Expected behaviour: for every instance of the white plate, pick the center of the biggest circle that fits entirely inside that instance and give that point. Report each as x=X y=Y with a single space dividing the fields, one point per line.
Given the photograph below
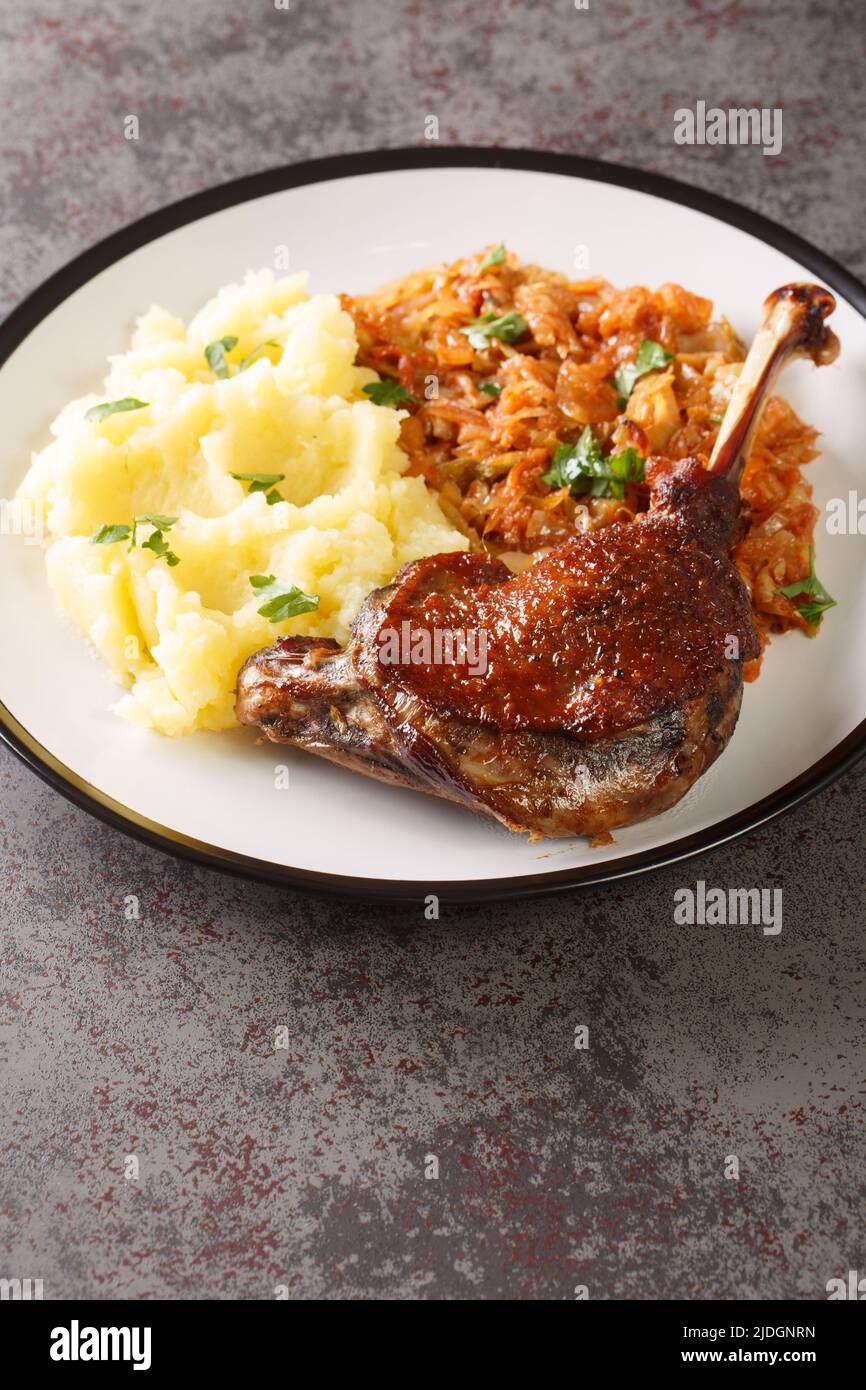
x=355 y=222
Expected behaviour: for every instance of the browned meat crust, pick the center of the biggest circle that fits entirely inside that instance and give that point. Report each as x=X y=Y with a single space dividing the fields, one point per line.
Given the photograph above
x=308 y=692
x=411 y=725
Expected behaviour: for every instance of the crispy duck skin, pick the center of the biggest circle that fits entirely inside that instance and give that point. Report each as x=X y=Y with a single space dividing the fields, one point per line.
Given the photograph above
x=613 y=668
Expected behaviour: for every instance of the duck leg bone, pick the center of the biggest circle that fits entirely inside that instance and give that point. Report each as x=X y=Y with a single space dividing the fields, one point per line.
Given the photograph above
x=792 y=326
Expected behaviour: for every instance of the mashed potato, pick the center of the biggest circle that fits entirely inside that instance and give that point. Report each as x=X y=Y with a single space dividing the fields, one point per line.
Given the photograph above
x=176 y=635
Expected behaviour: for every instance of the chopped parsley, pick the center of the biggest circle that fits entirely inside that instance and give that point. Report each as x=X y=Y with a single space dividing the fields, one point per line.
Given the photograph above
x=159 y=545
x=387 y=392
x=256 y=352
x=162 y=523
x=156 y=541
x=494 y=257
x=490 y=388
x=263 y=482
x=812 y=587
x=215 y=355
x=108 y=535
x=282 y=601
x=650 y=356
x=507 y=328
x=102 y=412
x=583 y=468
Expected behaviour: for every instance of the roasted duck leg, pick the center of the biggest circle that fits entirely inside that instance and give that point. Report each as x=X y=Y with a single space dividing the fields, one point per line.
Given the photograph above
x=601 y=682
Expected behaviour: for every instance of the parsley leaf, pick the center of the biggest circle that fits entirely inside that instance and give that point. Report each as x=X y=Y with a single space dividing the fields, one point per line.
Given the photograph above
x=507 y=328
x=812 y=587
x=490 y=388
x=626 y=467
x=387 y=392
x=107 y=535
x=263 y=482
x=215 y=355
x=159 y=545
x=102 y=412
x=282 y=601
x=494 y=257
x=156 y=541
x=256 y=352
x=584 y=469
x=161 y=523
x=650 y=356
x=580 y=467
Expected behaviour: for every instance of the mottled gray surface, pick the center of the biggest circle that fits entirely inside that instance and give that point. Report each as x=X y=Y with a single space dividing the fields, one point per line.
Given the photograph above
x=304 y=1166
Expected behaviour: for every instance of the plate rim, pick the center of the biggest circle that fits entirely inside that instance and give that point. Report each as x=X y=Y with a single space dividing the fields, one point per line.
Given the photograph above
x=40 y=302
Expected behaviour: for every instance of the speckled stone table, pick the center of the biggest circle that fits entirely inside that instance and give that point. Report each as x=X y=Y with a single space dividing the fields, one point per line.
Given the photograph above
x=306 y=1165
